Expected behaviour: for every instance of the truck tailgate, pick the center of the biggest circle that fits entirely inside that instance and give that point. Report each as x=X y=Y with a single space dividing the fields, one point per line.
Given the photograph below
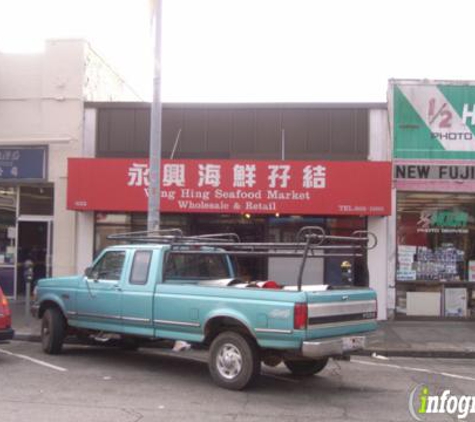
x=341 y=312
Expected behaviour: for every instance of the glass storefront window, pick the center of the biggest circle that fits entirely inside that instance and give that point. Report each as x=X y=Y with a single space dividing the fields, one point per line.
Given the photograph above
x=8 y=233
x=435 y=251
x=36 y=200
x=115 y=223
x=252 y=228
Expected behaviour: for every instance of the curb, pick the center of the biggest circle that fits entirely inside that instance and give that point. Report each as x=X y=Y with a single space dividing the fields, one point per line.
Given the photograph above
x=27 y=337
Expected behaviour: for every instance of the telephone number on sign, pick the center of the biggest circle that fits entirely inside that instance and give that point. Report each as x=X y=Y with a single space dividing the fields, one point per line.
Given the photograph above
x=360 y=208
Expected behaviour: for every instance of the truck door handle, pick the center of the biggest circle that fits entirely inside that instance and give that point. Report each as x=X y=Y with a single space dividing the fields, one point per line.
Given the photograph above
x=118 y=288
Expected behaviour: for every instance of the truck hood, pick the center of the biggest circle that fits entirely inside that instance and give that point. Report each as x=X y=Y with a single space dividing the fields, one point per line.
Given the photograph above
x=59 y=281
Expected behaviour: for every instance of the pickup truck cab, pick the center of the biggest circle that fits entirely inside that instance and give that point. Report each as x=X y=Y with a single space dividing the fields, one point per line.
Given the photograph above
x=189 y=291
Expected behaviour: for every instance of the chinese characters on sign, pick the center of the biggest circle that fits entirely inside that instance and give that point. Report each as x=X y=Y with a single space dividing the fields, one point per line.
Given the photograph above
x=233 y=186
x=243 y=175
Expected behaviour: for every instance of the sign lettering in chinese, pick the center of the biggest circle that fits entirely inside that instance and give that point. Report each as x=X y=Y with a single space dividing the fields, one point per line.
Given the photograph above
x=433 y=120
x=23 y=163
x=229 y=186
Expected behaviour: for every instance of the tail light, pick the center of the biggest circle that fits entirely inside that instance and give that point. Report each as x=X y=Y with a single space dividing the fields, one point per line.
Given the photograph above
x=5 y=309
x=300 y=316
x=3 y=300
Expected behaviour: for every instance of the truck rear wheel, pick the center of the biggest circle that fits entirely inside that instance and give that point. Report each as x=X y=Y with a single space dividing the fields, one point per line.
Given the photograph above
x=306 y=368
x=234 y=360
x=52 y=331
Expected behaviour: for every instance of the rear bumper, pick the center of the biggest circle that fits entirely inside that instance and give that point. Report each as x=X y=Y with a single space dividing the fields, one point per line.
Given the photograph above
x=6 y=334
x=333 y=347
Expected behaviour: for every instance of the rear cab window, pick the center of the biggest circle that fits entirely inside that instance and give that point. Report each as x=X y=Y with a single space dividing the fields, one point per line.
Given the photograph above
x=140 y=267
x=192 y=268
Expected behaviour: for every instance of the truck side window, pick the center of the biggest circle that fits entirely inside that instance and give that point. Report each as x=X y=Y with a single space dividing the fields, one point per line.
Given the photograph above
x=140 y=267
x=110 y=266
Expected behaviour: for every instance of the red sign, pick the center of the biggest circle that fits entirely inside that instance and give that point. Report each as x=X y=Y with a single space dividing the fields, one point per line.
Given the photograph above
x=233 y=186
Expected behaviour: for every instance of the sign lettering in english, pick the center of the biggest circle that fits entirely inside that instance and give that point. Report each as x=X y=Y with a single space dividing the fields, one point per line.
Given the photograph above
x=434 y=172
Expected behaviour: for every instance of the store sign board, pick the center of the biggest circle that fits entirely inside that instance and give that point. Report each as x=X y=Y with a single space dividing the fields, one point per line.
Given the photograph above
x=434 y=172
x=23 y=163
x=433 y=120
x=233 y=186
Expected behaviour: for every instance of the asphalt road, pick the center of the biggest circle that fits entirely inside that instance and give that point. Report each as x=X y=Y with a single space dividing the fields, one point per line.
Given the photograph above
x=107 y=384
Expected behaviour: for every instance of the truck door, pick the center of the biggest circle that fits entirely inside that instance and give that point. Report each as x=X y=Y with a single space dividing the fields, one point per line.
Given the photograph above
x=180 y=301
x=99 y=293
x=137 y=294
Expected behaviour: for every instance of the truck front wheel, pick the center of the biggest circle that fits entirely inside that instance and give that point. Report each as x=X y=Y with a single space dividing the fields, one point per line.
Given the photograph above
x=52 y=331
x=234 y=361
x=305 y=368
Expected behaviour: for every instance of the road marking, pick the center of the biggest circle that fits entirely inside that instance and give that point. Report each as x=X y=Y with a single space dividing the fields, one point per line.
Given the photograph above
x=411 y=368
x=38 y=362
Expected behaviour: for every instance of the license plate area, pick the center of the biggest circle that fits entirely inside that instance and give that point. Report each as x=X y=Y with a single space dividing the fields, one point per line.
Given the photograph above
x=353 y=343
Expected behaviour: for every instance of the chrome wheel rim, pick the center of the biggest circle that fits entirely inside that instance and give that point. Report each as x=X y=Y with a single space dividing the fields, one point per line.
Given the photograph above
x=229 y=361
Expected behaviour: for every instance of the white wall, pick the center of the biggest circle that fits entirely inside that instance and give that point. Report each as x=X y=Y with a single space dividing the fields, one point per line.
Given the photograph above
x=42 y=103
x=381 y=260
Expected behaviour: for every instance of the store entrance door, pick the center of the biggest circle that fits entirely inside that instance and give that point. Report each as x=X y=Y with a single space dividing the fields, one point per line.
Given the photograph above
x=34 y=244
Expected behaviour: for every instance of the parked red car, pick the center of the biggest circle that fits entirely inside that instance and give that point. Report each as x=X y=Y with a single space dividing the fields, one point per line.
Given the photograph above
x=6 y=332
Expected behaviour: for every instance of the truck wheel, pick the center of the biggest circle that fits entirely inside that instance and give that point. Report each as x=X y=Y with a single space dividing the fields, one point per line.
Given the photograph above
x=52 y=331
x=305 y=368
x=234 y=361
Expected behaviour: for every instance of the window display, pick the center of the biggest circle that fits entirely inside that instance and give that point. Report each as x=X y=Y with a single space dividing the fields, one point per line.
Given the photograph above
x=435 y=253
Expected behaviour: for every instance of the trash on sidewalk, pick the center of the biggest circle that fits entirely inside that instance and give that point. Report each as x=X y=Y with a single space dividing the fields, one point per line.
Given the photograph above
x=381 y=357
x=181 y=346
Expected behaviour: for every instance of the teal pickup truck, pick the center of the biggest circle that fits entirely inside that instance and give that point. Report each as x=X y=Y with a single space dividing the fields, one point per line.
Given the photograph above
x=168 y=286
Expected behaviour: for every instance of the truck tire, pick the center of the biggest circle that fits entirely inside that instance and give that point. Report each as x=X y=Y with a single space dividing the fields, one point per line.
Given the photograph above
x=52 y=331
x=234 y=361
x=306 y=368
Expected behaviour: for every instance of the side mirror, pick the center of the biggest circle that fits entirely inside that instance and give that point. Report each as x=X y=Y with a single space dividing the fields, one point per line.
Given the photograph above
x=88 y=272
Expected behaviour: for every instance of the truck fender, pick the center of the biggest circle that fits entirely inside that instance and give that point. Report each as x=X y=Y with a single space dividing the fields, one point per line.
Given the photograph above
x=222 y=320
x=51 y=300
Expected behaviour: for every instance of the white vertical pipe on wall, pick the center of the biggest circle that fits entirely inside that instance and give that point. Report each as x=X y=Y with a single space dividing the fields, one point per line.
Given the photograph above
x=381 y=260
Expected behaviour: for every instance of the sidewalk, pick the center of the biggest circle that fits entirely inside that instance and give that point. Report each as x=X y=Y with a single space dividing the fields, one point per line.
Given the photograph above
x=442 y=339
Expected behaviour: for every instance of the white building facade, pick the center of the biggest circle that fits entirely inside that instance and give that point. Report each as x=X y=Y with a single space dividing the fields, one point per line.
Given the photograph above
x=41 y=125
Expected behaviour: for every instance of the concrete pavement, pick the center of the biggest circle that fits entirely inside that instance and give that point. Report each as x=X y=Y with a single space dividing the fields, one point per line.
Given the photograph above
x=442 y=339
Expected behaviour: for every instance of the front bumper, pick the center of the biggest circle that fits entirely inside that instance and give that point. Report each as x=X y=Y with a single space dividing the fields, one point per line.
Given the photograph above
x=333 y=347
x=6 y=334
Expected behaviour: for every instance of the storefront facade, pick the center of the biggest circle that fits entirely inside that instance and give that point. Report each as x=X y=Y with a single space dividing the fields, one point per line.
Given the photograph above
x=26 y=215
x=434 y=148
x=261 y=171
